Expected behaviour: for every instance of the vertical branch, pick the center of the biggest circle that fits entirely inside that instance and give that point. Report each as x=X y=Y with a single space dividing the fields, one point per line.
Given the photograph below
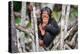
x=23 y=16
x=35 y=29
x=18 y=37
x=33 y=42
x=62 y=27
x=22 y=23
x=14 y=47
x=32 y=27
x=66 y=18
x=23 y=13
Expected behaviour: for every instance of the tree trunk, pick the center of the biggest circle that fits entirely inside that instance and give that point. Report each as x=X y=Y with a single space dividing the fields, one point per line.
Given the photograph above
x=35 y=29
x=14 y=47
x=62 y=27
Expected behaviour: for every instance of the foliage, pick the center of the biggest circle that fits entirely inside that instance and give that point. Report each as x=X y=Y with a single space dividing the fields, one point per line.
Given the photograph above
x=18 y=20
x=17 y=6
x=56 y=15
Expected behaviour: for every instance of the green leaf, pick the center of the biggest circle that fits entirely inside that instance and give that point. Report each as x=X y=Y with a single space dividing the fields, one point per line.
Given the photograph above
x=18 y=20
x=28 y=25
x=56 y=15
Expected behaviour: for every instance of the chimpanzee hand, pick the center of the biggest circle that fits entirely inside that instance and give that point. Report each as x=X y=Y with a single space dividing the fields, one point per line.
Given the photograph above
x=41 y=27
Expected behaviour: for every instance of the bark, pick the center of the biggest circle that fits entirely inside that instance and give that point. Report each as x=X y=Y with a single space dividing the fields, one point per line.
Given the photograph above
x=71 y=32
x=35 y=29
x=24 y=30
x=73 y=41
x=14 y=47
x=62 y=27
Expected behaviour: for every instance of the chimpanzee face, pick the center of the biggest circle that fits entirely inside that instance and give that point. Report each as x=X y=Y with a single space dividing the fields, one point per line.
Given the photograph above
x=45 y=17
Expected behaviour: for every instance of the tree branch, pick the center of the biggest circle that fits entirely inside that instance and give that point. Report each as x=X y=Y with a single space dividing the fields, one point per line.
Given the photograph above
x=73 y=42
x=72 y=31
x=25 y=30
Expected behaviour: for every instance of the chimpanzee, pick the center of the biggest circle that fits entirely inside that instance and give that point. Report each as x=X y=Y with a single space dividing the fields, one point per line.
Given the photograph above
x=47 y=27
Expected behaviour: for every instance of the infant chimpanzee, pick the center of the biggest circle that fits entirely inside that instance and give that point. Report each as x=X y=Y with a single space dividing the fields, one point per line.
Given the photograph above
x=47 y=27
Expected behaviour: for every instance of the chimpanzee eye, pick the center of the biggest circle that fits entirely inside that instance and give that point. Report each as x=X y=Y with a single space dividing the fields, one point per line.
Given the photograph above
x=44 y=15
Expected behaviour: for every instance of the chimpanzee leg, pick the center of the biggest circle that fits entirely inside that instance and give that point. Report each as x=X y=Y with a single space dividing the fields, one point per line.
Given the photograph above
x=48 y=38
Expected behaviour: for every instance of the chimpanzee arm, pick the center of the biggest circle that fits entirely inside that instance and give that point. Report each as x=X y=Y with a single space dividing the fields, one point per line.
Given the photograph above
x=51 y=31
x=53 y=28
